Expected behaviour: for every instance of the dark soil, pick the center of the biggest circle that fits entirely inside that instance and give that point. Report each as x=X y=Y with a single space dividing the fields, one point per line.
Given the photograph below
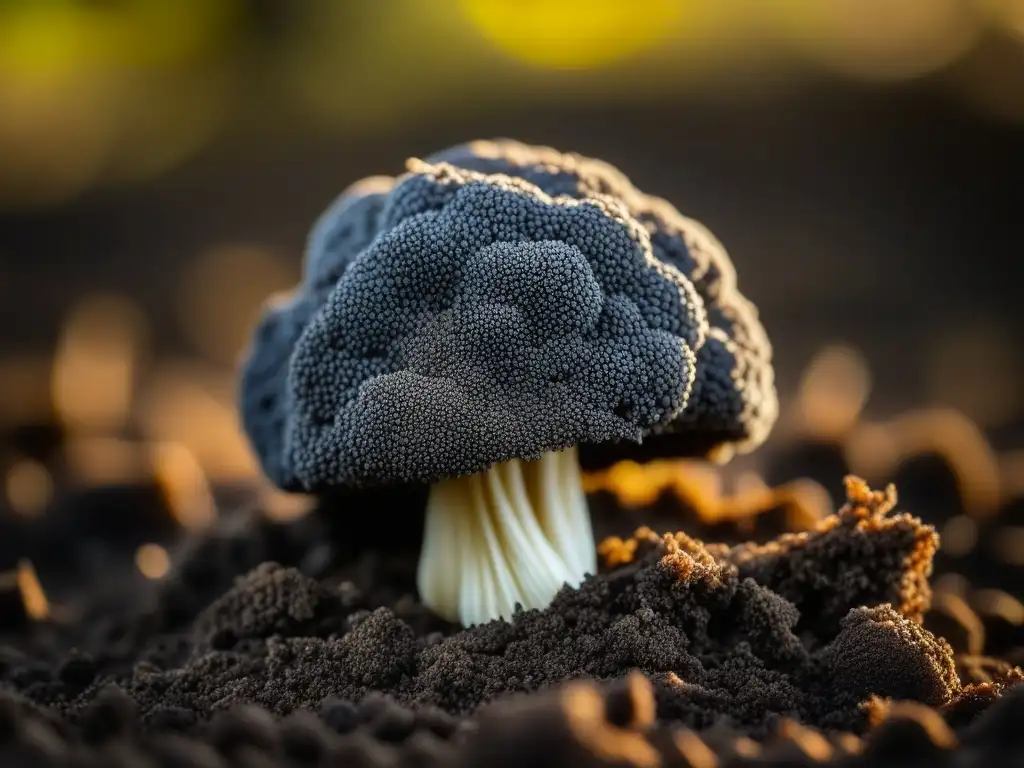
x=303 y=643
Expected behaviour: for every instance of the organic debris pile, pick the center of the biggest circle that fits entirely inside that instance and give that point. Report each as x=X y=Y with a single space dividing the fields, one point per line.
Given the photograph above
x=810 y=644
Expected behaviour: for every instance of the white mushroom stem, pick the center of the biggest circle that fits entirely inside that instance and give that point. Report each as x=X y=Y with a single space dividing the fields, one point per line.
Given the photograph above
x=515 y=533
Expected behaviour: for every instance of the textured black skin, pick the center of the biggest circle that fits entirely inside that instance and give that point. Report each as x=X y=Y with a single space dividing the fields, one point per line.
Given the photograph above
x=339 y=235
x=734 y=399
x=504 y=324
x=731 y=397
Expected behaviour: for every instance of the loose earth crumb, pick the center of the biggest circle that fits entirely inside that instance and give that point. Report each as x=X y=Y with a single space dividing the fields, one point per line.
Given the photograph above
x=804 y=648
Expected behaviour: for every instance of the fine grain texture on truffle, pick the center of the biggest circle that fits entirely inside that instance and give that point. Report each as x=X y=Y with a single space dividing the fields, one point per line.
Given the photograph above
x=532 y=301
x=486 y=322
x=347 y=226
x=734 y=399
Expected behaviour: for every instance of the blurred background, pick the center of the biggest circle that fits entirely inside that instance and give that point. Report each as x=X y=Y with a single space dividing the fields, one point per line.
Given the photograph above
x=161 y=162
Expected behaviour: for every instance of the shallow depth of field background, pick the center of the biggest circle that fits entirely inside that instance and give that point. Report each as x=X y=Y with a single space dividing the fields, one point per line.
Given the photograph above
x=162 y=160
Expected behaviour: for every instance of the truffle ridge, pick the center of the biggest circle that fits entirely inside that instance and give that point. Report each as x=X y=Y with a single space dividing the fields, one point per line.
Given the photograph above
x=552 y=282
x=734 y=400
x=486 y=322
x=340 y=233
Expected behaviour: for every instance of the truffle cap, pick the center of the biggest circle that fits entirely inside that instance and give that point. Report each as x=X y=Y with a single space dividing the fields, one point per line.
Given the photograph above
x=445 y=268
x=734 y=403
x=488 y=321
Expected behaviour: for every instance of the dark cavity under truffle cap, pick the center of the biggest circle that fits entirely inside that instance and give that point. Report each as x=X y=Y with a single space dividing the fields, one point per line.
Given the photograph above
x=464 y=317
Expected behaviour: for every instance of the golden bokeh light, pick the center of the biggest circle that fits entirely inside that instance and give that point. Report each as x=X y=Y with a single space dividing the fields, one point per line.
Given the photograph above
x=976 y=370
x=95 y=93
x=690 y=746
x=701 y=487
x=32 y=595
x=221 y=296
x=874 y=450
x=996 y=602
x=193 y=405
x=947 y=432
x=810 y=742
x=53 y=137
x=871 y=450
x=952 y=584
x=152 y=561
x=49 y=39
x=745 y=746
x=1007 y=14
x=184 y=485
x=833 y=390
x=749 y=481
x=574 y=34
x=1009 y=544
x=94 y=369
x=280 y=505
x=91 y=93
x=105 y=460
x=880 y=40
x=29 y=487
x=638 y=485
x=959 y=535
x=582 y=708
x=61 y=137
